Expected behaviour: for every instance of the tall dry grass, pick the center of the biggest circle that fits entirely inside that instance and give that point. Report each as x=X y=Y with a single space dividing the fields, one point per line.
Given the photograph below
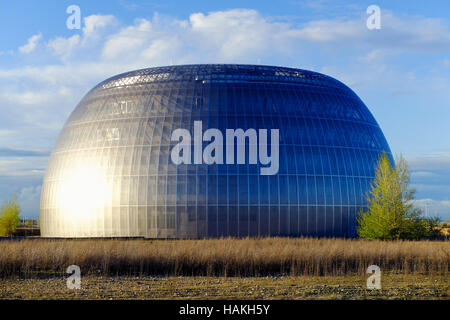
x=223 y=257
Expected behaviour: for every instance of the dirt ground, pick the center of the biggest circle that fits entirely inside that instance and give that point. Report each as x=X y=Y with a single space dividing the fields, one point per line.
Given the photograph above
x=301 y=287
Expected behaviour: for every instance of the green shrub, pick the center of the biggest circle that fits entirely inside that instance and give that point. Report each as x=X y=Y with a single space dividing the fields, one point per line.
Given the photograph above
x=9 y=217
x=391 y=213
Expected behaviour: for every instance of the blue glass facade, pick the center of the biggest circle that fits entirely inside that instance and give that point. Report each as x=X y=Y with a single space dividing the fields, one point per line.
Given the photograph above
x=112 y=159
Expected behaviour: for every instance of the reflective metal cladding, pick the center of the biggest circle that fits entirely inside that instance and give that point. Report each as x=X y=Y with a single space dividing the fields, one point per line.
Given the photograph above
x=303 y=154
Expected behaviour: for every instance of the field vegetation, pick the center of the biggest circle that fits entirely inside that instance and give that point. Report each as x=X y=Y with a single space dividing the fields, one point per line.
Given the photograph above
x=223 y=257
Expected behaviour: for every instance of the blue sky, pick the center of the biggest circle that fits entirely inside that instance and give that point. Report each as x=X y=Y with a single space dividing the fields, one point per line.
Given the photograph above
x=401 y=71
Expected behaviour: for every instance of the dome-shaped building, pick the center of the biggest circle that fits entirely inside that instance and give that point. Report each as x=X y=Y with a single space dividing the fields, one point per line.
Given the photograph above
x=212 y=150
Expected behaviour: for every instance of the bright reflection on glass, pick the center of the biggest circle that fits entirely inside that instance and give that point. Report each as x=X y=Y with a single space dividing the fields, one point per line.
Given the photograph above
x=83 y=192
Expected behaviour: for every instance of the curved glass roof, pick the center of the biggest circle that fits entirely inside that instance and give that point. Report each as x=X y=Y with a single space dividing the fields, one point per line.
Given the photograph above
x=221 y=72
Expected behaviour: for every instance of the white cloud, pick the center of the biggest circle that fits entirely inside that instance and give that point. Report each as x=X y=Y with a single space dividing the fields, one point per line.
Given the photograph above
x=9 y=53
x=333 y=31
x=26 y=98
x=92 y=32
x=161 y=49
x=93 y=24
x=29 y=199
x=314 y=4
x=31 y=44
x=375 y=55
x=128 y=39
x=128 y=5
x=415 y=32
x=64 y=46
x=423 y=174
x=17 y=166
x=433 y=208
x=235 y=33
x=6 y=133
x=430 y=163
x=245 y=35
x=72 y=74
x=35 y=97
x=30 y=193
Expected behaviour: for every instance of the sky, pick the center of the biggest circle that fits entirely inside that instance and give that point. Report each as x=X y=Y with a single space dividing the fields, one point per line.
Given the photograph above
x=401 y=71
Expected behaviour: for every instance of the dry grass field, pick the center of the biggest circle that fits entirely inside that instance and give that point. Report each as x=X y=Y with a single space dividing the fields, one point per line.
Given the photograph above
x=223 y=257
